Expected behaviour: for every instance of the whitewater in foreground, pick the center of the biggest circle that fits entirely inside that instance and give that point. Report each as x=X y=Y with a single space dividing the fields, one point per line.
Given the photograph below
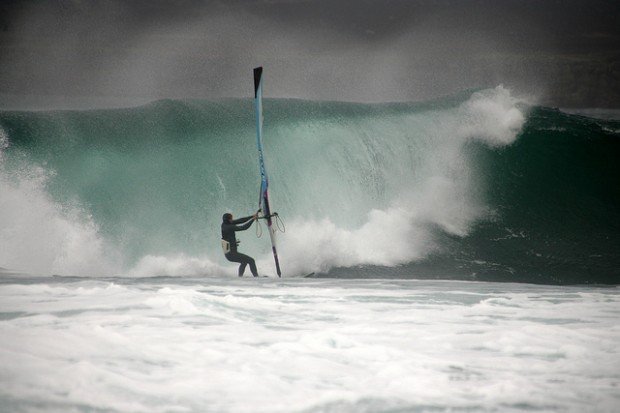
x=175 y=344
x=475 y=187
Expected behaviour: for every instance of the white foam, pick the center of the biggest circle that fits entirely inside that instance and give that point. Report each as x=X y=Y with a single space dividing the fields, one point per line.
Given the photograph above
x=441 y=192
x=38 y=235
x=491 y=115
x=175 y=265
x=287 y=346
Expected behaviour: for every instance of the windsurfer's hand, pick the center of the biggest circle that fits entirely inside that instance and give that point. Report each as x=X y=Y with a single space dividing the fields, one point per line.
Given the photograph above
x=255 y=216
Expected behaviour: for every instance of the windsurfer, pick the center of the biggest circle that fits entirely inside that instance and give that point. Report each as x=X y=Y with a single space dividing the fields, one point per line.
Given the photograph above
x=229 y=241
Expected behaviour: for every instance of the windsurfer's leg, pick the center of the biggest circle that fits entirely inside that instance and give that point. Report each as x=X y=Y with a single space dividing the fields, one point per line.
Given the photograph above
x=234 y=256
x=242 y=269
x=253 y=267
x=248 y=260
x=244 y=260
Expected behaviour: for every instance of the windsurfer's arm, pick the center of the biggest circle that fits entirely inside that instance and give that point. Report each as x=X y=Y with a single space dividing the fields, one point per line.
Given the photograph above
x=244 y=226
x=241 y=220
x=247 y=225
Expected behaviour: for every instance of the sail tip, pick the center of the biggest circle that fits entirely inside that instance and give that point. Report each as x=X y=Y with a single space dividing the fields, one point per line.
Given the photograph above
x=258 y=74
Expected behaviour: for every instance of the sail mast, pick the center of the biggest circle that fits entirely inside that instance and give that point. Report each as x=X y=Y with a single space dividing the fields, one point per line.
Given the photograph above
x=264 y=187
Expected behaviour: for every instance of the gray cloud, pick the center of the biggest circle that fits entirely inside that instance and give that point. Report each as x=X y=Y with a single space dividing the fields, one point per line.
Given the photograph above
x=114 y=52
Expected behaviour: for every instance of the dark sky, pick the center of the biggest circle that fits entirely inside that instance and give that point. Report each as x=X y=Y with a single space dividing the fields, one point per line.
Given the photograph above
x=78 y=53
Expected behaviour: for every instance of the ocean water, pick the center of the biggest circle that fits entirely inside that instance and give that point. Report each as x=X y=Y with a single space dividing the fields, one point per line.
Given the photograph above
x=222 y=344
x=464 y=250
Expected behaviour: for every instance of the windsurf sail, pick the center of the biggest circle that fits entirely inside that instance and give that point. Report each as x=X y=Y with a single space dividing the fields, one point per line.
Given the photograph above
x=263 y=202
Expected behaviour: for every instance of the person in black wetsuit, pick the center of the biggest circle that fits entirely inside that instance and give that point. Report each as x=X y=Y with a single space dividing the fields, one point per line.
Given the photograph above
x=229 y=241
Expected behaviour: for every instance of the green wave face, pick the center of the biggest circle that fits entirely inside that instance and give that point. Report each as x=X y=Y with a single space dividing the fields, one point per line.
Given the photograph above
x=472 y=186
x=557 y=198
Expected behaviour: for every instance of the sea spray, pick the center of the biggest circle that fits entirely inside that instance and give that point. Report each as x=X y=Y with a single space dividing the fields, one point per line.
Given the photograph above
x=421 y=193
x=41 y=236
